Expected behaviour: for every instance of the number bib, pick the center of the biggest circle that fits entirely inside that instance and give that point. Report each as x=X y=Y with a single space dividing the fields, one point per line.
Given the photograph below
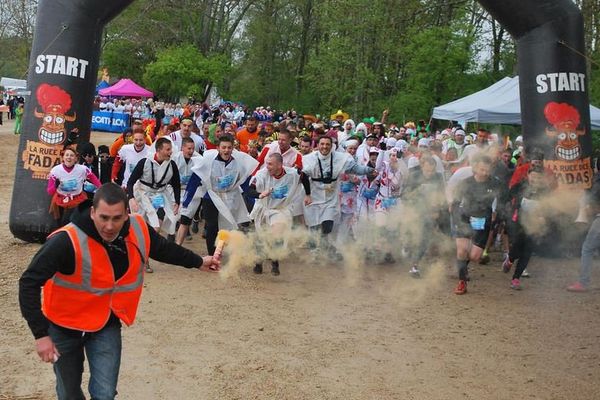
x=477 y=223
x=185 y=179
x=224 y=182
x=370 y=194
x=347 y=187
x=158 y=201
x=89 y=187
x=389 y=202
x=280 y=192
x=69 y=185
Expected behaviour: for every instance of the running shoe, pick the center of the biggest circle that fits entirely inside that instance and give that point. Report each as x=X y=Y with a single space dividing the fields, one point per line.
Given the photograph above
x=257 y=269
x=507 y=264
x=414 y=272
x=275 y=268
x=335 y=256
x=515 y=284
x=525 y=274
x=388 y=259
x=577 y=287
x=484 y=260
x=194 y=228
x=149 y=268
x=461 y=288
x=314 y=255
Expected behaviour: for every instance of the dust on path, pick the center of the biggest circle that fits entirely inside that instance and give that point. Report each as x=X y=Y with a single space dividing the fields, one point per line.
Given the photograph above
x=312 y=333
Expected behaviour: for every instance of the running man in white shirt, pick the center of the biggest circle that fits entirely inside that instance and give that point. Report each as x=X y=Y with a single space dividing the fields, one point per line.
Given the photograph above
x=275 y=187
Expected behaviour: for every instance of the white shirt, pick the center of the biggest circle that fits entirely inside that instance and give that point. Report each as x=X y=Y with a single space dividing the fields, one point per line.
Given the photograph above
x=184 y=167
x=130 y=158
x=71 y=182
x=178 y=139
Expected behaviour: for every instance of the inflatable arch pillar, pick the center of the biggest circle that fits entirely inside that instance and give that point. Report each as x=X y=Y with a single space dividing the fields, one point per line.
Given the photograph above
x=555 y=108
x=62 y=78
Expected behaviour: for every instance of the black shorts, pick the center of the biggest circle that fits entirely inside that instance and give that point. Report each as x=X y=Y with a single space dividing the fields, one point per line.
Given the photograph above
x=463 y=230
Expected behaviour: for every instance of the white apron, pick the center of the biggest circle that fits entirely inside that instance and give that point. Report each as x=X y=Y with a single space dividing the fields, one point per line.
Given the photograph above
x=391 y=181
x=185 y=168
x=151 y=199
x=325 y=204
x=222 y=183
x=290 y=159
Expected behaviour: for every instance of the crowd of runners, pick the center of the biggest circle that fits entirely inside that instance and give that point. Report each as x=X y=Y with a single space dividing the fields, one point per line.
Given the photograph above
x=404 y=187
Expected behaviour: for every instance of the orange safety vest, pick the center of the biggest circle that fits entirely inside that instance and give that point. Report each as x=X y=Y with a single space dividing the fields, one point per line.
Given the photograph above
x=84 y=300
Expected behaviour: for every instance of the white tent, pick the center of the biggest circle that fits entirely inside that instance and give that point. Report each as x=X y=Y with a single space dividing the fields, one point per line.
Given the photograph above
x=12 y=83
x=497 y=104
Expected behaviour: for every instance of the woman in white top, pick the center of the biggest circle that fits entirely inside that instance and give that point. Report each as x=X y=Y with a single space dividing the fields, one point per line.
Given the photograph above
x=66 y=185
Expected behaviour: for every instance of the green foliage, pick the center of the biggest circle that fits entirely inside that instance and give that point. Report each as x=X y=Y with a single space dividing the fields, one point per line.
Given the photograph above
x=437 y=62
x=183 y=71
x=594 y=80
x=126 y=59
x=13 y=57
x=363 y=60
x=264 y=74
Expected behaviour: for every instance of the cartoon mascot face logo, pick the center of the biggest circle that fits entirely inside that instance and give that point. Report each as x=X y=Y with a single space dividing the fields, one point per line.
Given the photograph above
x=565 y=120
x=55 y=103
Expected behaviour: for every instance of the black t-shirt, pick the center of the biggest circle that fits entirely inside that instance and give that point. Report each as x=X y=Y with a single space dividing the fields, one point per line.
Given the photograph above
x=476 y=198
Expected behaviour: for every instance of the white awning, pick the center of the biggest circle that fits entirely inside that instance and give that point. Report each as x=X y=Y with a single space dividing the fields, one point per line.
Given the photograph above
x=12 y=83
x=497 y=104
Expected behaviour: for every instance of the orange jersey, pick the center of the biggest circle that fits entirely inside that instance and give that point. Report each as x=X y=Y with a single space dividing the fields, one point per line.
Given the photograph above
x=244 y=137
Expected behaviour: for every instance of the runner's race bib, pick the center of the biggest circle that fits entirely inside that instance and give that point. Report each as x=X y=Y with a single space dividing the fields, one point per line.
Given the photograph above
x=89 y=187
x=224 y=182
x=70 y=185
x=477 y=223
x=389 y=202
x=347 y=187
x=185 y=179
x=158 y=201
x=280 y=192
x=370 y=194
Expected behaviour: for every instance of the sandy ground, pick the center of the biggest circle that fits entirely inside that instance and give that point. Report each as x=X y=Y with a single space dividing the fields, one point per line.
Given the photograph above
x=328 y=332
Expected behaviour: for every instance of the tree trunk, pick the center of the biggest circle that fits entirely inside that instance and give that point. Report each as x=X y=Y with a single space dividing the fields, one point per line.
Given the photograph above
x=304 y=45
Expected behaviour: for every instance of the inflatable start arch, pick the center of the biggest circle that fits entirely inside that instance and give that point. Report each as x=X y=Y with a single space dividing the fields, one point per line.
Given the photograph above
x=552 y=82
x=64 y=64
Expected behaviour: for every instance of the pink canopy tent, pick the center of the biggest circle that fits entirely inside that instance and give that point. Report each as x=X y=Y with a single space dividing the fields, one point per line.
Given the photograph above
x=126 y=87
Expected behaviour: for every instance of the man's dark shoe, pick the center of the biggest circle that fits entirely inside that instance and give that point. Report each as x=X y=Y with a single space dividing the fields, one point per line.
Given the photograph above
x=275 y=268
x=194 y=228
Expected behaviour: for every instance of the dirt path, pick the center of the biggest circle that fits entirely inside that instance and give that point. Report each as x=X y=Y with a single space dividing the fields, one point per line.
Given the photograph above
x=324 y=332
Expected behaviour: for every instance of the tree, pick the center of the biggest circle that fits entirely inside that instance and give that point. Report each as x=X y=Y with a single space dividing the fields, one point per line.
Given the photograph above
x=437 y=64
x=17 y=21
x=127 y=59
x=183 y=70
